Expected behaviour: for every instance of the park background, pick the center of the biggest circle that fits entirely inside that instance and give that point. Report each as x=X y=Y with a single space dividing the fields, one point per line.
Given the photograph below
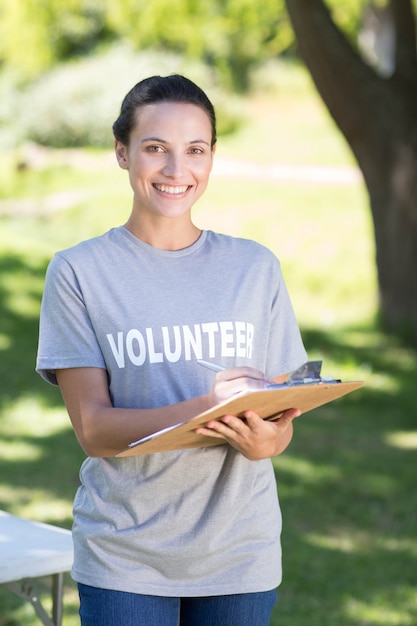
x=284 y=176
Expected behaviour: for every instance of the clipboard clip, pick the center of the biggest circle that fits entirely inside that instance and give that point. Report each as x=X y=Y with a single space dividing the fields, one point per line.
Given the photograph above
x=309 y=373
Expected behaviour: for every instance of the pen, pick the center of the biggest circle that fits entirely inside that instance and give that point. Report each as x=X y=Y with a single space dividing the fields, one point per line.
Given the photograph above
x=211 y=366
x=215 y=367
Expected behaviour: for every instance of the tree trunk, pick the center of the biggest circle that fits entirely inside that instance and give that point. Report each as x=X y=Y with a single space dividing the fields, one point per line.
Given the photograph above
x=378 y=117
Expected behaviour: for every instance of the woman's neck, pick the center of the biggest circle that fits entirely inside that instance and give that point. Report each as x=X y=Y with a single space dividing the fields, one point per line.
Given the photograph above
x=166 y=234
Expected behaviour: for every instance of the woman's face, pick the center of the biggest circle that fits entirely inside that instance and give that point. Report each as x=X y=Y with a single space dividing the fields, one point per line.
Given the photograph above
x=169 y=158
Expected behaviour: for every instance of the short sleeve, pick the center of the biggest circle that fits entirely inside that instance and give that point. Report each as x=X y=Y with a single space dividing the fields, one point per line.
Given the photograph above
x=66 y=334
x=286 y=351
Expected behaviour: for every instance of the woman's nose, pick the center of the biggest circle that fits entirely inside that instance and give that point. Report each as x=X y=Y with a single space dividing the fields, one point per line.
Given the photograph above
x=174 y=166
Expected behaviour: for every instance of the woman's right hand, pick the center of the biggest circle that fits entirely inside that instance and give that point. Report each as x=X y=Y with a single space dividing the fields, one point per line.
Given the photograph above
x=230 y=382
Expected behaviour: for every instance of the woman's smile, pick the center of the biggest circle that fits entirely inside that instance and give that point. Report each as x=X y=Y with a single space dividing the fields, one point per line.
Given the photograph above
x=170 y=189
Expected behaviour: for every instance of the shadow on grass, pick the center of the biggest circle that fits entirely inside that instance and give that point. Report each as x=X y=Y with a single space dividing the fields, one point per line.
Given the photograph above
x=55 y=469
x=347 y=491
x=19 y=330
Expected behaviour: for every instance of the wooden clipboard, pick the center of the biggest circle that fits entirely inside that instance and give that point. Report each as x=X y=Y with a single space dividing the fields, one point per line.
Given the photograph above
x=268 y=403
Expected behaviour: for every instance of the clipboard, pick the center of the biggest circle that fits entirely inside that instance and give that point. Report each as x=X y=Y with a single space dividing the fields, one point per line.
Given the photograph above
x=269 y=403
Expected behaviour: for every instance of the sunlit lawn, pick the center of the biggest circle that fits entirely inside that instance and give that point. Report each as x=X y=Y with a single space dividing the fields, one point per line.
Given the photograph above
x=347 y=483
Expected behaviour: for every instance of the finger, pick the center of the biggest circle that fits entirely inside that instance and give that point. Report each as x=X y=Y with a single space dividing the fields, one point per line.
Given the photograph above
x=229 y=387
x=291 y=413
x=227 y=426
x=209 y=432
x=287 y=415
x=240 y=372
x=252 y=419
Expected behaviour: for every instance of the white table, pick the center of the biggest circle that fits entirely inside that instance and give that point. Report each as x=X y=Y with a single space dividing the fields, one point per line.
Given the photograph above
x=29 y=550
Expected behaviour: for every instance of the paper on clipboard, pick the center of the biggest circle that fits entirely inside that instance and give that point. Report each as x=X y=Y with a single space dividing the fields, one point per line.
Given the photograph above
x=154 y=435
x=269 y=403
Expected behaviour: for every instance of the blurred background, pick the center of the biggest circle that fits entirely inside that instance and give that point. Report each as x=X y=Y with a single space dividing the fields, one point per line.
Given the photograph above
x=316 y=159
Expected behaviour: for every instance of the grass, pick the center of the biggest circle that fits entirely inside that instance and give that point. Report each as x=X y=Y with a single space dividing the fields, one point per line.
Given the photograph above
x=347 y=482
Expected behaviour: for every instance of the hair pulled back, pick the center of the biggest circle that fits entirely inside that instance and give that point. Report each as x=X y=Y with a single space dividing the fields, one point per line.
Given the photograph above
x=156 y=89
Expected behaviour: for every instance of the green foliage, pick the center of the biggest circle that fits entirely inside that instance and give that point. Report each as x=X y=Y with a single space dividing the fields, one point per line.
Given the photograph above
x=81 y=27
x=348 y=14
x=76 y=103
x=233 y=36
x=24 y=35
x=36 y=34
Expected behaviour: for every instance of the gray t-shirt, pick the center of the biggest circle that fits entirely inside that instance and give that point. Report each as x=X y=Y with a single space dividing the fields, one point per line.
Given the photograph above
x=184 y=523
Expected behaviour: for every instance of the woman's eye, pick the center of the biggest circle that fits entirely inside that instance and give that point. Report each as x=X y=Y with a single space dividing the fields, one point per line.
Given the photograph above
x=154 y=149
x=196 y=150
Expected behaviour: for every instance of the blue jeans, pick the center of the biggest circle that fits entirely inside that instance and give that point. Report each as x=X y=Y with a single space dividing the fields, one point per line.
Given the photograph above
x=102 y=607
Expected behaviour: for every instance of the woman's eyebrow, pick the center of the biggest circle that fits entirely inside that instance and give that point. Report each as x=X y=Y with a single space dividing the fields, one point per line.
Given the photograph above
x=159 y=140
x=200 y=141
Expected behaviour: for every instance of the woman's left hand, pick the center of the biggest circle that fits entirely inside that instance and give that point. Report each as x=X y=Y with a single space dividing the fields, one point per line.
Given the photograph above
x=254 y=437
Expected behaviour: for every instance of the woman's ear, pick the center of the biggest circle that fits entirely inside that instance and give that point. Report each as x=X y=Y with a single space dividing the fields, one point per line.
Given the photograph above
x=121 y=154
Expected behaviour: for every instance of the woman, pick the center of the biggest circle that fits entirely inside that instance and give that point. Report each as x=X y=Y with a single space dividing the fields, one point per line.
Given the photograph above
x=192 y=536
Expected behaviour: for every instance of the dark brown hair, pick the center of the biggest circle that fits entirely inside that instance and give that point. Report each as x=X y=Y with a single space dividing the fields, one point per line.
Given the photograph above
x=174 y=88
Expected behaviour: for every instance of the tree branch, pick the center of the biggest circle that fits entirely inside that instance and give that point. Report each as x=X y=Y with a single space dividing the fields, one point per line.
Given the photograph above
x=406 y=44
x=336 y=67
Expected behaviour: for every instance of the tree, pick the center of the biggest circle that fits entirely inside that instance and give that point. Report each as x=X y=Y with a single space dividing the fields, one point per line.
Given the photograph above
x=35 y=35
x=377 y=115
x=230 y=35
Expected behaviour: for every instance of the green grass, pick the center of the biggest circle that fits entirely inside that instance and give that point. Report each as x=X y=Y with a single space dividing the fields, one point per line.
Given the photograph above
x=347 y=482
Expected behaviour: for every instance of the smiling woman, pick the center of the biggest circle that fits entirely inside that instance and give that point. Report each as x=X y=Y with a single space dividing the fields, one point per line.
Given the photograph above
x=189 y=536
x=169 y=158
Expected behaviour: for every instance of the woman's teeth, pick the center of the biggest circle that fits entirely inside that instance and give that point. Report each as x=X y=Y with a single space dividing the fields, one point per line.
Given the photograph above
x=170 y=189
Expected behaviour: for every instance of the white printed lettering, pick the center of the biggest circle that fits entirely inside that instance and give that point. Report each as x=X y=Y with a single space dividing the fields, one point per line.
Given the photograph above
x=154 y=357
x=240 y=339
x=207 y=340
x=192 y=341
x=227 y=339
x=211 y=329
x=118 y=351
x=172 y=356
x=135 y=336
